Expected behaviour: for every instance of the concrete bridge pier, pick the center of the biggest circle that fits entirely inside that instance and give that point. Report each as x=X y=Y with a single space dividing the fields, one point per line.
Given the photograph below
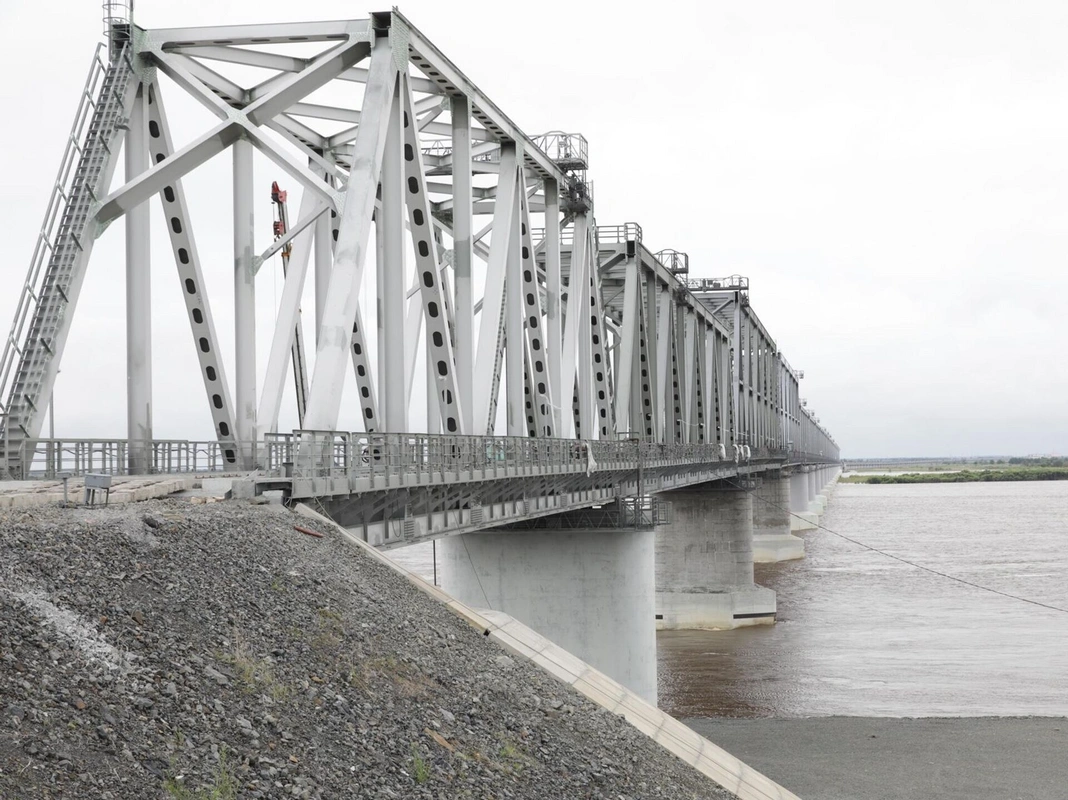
x=590 y=591
x=831 y=475
x=704 y=563
x=772 y=540
x=801 y=519
x=816 y=501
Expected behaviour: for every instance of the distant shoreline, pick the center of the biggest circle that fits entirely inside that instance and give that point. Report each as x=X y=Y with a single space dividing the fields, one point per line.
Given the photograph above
x=967 y=476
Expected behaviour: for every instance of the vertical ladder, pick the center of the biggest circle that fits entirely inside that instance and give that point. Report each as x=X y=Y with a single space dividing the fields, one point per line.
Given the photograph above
x=43 y=315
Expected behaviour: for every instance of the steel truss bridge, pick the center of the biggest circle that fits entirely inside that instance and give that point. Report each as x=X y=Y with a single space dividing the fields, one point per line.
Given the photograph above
x=514 y=360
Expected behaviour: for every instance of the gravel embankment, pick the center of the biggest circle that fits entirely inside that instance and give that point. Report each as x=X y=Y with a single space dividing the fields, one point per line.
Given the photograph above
x=165 y=650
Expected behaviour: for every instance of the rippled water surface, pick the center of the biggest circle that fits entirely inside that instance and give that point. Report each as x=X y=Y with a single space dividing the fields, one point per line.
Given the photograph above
x=862 y=634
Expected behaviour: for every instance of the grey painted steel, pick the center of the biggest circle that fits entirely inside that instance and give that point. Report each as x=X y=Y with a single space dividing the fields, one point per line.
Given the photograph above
x=191 y=283
x=34 y=348
x=463 y=254
x=393 y=408
x=440 y=485
x=587 y=332
x=244 y=303
x=138 y=295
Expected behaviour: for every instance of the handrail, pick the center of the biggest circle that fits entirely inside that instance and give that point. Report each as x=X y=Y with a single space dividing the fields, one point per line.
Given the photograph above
x=47 y=458
x=33 y=287
x=310 y=453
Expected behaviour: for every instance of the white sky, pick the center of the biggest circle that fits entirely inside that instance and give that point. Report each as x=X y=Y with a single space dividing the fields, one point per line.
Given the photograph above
x=892 y=178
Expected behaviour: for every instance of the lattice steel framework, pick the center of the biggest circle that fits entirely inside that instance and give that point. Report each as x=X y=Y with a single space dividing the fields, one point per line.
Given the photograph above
x=584 y=331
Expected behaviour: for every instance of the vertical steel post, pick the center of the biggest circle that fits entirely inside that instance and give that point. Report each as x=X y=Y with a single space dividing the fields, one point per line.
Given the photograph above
x=433 y=403
x=554 y=319
x=462 y=257
x=584 y=308
x=324 y=261
x=138 y=301
x=513 y=321
x=627 y=350
x=738 y=373
x=393 y=401
x=244 y=303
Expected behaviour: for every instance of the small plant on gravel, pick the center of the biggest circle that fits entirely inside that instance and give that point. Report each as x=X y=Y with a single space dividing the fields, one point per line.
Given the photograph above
x=357 y=678
x=420 y=767
x=509 y=751
x=224 y=786
x=512 y=757
x=407 y=678
x=329 y=613
x=331 y=630
x=253 y=673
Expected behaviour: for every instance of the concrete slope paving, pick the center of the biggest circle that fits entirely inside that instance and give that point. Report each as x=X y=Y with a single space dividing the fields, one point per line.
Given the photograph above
x=165 y=649
x=866 y=758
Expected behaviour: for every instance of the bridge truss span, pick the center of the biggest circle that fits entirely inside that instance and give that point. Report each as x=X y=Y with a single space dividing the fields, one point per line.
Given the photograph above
x=462 y=287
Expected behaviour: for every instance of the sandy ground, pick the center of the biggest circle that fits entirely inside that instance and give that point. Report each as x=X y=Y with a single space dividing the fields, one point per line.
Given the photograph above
x=862 y=758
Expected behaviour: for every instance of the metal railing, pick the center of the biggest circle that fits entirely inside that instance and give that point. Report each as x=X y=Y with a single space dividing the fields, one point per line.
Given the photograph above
x=619 y=234
x=606 y=234
x=569 y=150
x=118 y=19
x=442 y=148
x=308 y=454
x=33 y=289
x=677 y=262
x=47 y=458
x=732 y=282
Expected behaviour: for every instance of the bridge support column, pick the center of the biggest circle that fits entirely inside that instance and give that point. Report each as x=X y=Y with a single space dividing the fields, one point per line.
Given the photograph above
x=704 y=563
x=589 y=591
x=801 y=519
x=822 y=481
x=815 y=500
x=244 y=303
x=772 y=540
x=832 y=474
x=138 y=301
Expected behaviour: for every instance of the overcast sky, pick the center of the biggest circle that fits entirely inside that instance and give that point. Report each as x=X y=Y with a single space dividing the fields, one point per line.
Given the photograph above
x=892 y=178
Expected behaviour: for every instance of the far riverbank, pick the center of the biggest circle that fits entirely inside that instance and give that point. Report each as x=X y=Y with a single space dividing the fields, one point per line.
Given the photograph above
x=966 y=476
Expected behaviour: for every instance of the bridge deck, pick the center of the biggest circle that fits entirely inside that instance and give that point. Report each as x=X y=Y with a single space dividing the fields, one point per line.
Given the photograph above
x=395 y=489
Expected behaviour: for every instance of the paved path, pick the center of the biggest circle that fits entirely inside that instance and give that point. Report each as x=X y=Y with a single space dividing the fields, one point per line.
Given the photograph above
x=861 y=758
x=25 y=494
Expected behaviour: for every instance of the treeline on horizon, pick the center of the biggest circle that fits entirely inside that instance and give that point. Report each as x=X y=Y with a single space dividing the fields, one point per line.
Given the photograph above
x=973 y=476
x=1048 y=461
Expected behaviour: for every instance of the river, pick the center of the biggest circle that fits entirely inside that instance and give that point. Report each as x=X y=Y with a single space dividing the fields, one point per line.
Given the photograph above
x=860 y=634
x=883 y=681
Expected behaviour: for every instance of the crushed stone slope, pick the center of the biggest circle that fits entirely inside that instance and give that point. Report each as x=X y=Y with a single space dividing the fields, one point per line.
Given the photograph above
x=163 y=649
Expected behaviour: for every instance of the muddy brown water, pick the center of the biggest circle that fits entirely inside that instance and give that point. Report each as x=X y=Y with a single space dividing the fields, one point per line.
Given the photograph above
x=860 y=634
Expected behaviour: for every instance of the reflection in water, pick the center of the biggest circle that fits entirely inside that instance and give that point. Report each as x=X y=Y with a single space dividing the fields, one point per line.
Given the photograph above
x=862 y=634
